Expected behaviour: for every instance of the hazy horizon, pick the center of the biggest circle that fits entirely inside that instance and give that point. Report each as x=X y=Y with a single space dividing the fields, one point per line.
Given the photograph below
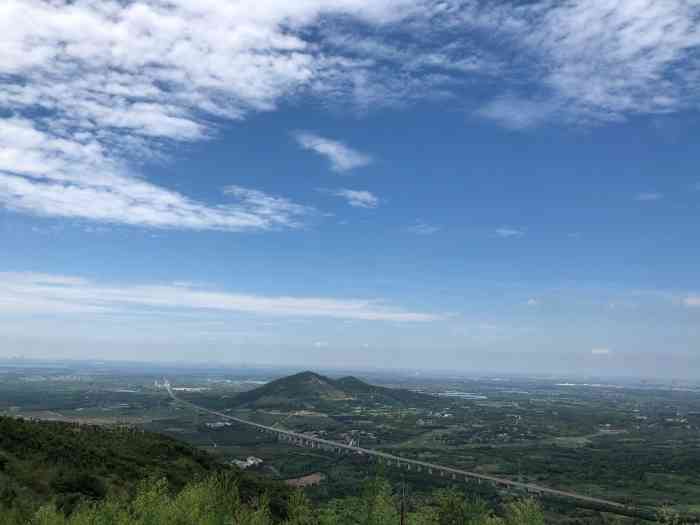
x=281 y=369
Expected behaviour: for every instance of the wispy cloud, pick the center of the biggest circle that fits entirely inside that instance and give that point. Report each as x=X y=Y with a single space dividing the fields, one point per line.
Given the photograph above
x=342 y=157
x=91 y=90
x=94 y=89
x=356 y=198
x=30 y=293
x=518 y=113
x=131 y=201
x=692 y=301
x=649 y=196
x=601 y=351
x=592 y=60
x=532 y=302
x=508 y=232
x=423 y=228
x=44 y=174
x=274 y=210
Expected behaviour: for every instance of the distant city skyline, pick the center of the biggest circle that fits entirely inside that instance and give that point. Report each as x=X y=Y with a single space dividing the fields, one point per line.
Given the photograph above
x=393 y=184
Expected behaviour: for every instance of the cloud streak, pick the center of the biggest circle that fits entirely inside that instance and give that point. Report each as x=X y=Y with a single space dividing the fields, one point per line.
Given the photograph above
x=141 y=204
x=649 y=196
x=356 y=198
x=30 y=293
x=423 y=228
x=342 y=157
x=507 y=232
x=692 y=301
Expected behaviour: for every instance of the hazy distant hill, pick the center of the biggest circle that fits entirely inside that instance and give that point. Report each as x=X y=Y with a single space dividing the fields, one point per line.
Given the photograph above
x=308 y=389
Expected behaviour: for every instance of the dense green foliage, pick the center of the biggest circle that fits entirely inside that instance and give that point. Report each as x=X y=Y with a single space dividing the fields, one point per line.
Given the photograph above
x=68 y=474
x=217 y=501
x=67 y=464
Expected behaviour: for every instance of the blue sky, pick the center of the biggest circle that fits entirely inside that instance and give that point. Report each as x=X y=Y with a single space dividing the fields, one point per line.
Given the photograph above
x=449 y=185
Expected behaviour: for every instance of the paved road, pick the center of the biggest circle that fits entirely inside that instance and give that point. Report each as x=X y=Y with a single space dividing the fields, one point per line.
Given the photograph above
x=420 y=465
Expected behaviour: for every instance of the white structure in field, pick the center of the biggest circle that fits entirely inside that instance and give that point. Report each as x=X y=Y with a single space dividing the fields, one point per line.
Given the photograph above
x=251 y=461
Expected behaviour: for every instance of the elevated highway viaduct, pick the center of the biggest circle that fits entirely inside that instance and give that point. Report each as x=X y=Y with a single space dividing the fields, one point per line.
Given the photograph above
x=433 y=469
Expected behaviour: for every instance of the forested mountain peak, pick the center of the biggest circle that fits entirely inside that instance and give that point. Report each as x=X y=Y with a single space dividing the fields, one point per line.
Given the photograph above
x=309 y=388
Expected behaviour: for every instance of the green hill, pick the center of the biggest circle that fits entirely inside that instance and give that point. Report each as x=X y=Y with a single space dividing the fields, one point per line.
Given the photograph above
x=68 y=474
x=300 y=388
x=66 y=463
x=308 y=389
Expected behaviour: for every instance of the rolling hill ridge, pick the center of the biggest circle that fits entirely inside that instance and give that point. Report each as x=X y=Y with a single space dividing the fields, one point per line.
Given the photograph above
x=308 y=389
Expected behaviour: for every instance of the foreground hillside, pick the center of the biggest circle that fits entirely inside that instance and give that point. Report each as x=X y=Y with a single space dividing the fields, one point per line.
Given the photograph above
x=308 y=389
x=66 y=474
x=66 y=464
x=217 y=501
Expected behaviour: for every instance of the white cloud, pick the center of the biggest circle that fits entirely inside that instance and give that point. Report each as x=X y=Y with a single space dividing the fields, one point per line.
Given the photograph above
x=601 y=351
x=30 y=293
x=532 y=302
x=423 y=228
x=92 y=89
x=356 y=198
x=273 y=209
x=341 y=157
x=321 y=344
x=619 y=56
x=518 y=113
x=43 y=174
x=595 y=59
x=692 y=301
x=127 y=200
x=508 y=232
x=649 y=196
